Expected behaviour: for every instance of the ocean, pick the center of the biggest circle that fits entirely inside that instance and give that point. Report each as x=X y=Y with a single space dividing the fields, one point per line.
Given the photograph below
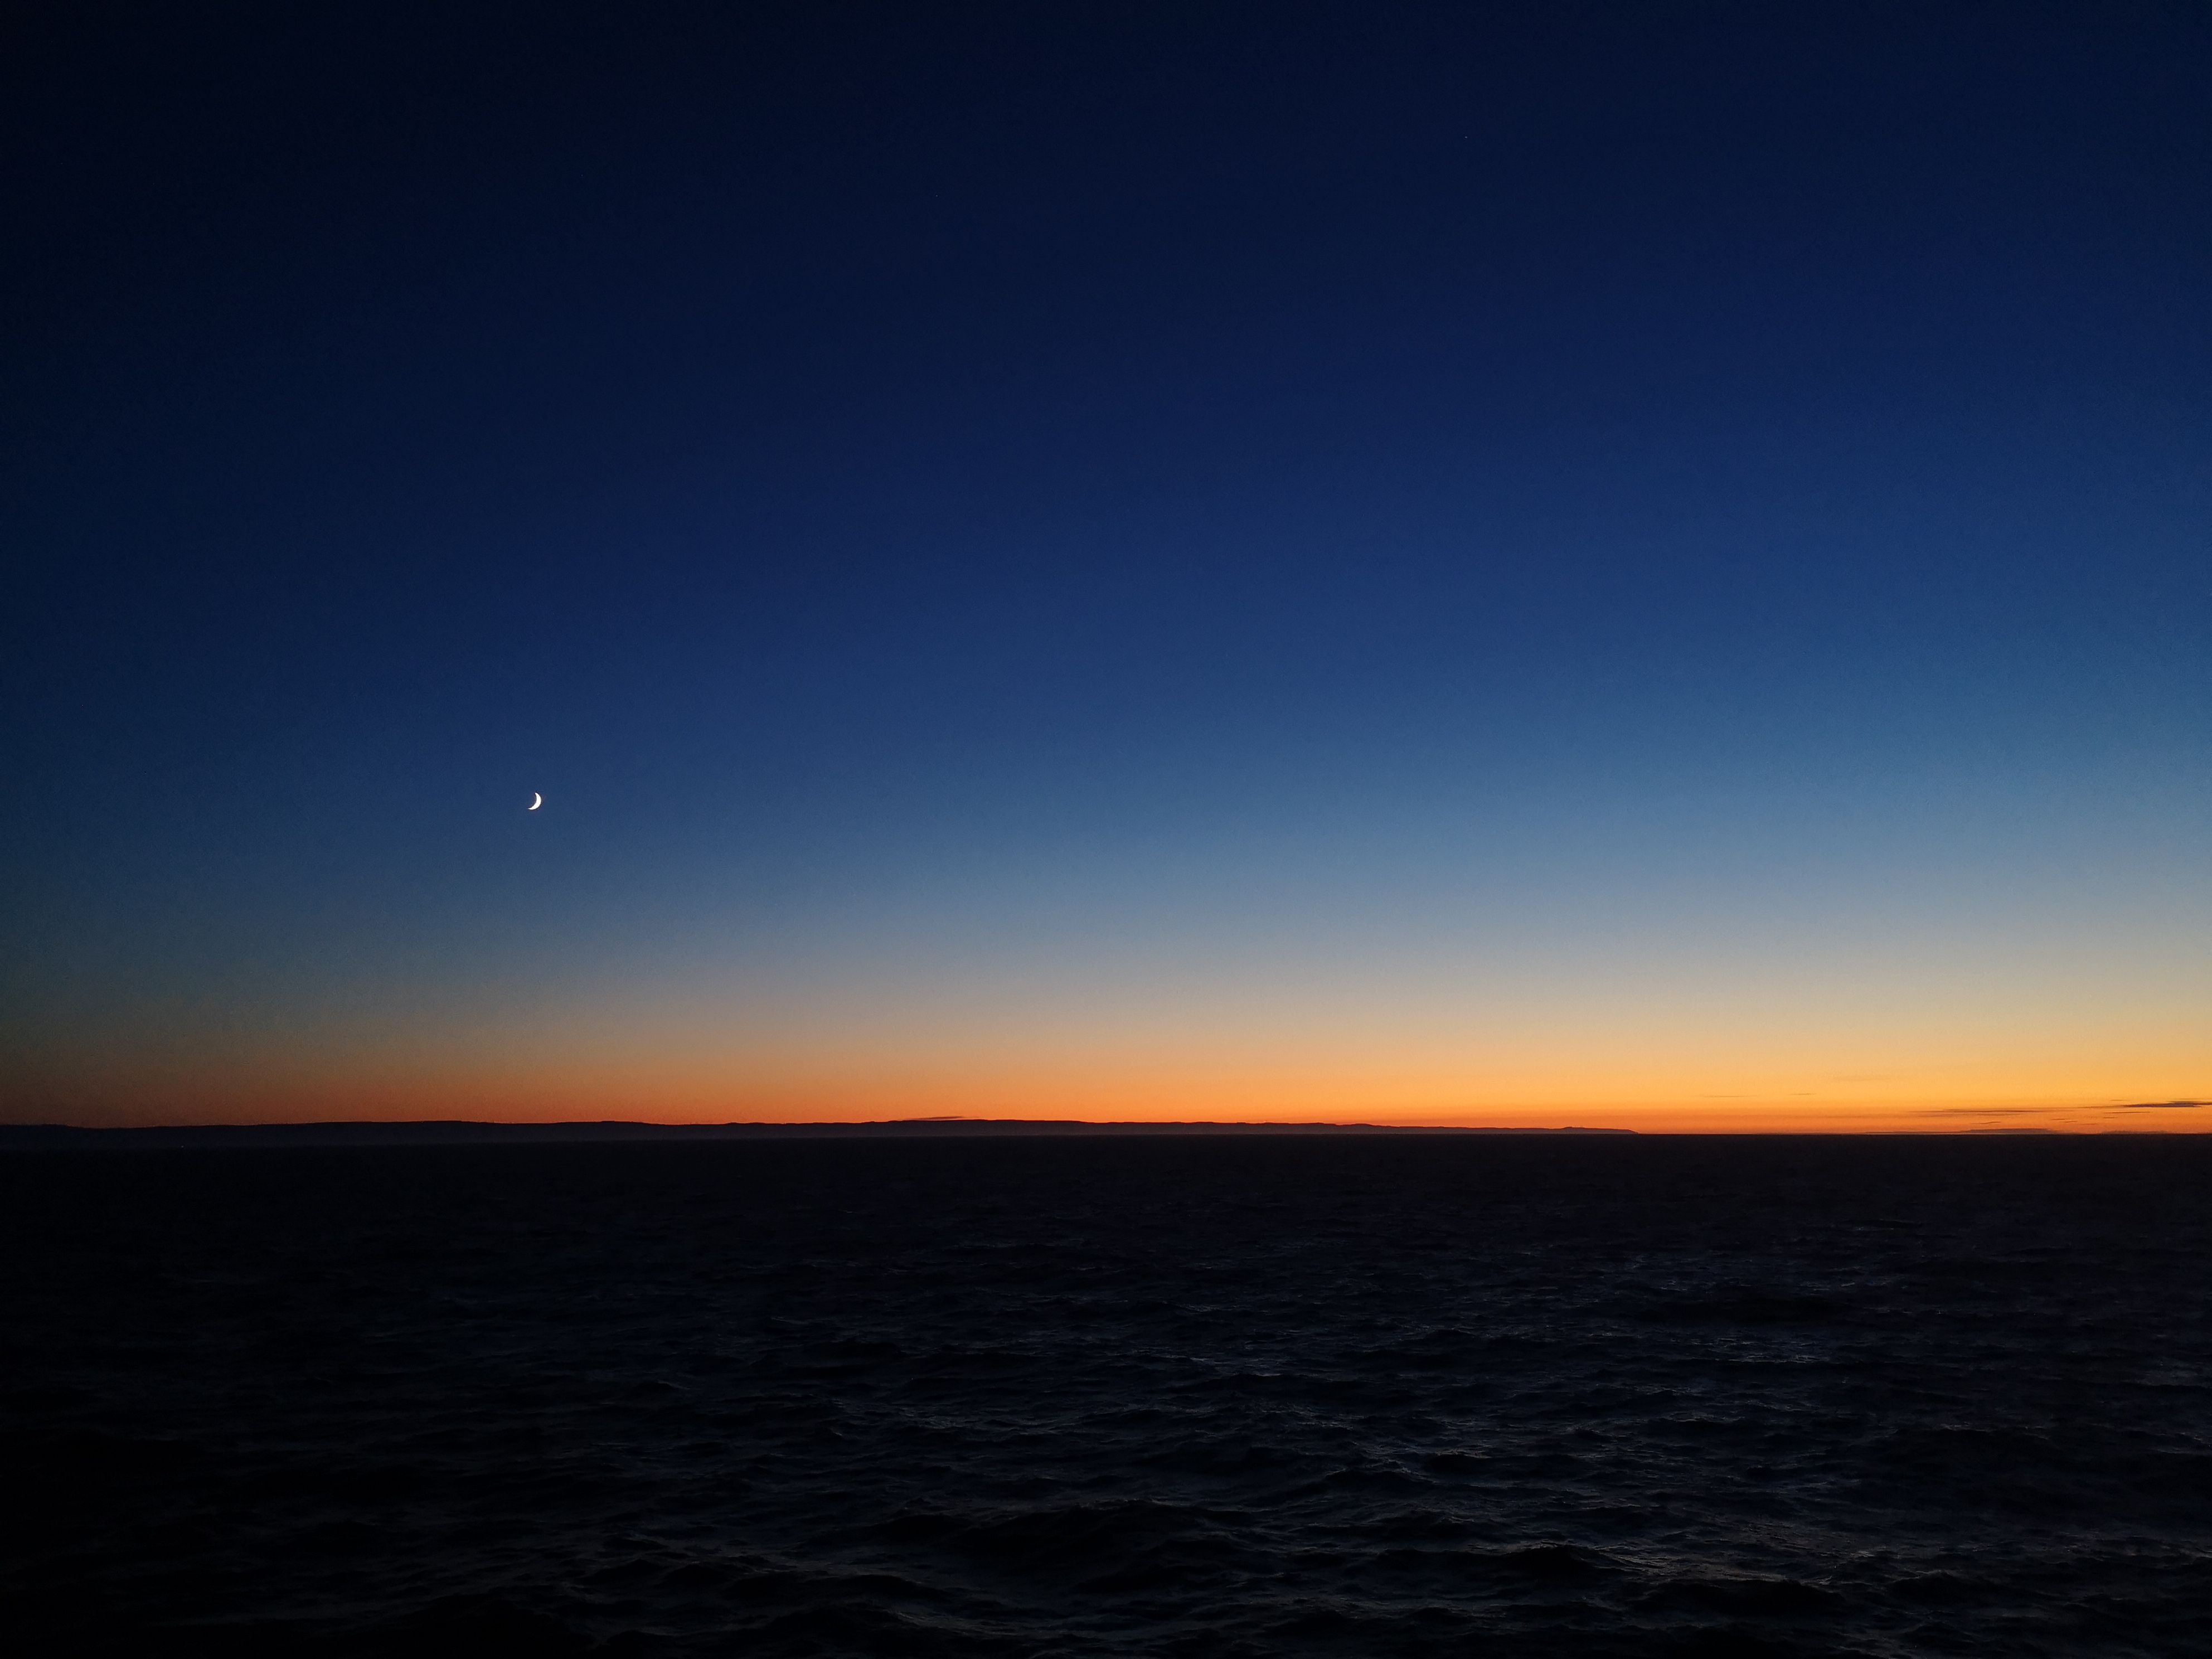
x=1203 y=1396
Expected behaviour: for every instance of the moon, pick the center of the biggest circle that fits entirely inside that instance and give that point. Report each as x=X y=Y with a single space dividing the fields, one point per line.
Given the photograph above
x=535 y=801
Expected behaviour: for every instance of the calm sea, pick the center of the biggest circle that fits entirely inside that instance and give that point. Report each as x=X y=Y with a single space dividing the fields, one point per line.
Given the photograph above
x=1201 y=1397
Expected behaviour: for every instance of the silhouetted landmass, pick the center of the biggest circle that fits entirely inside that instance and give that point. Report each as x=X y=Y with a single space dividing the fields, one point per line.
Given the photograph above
x=461 y=1132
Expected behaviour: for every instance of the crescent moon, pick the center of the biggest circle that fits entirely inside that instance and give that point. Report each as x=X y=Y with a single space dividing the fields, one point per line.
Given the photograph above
x=535 y=801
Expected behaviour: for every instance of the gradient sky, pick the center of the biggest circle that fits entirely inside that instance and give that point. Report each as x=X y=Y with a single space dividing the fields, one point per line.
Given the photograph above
x=1632 y=564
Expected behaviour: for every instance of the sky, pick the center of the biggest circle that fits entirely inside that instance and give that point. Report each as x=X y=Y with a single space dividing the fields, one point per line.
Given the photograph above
x=1627 y=565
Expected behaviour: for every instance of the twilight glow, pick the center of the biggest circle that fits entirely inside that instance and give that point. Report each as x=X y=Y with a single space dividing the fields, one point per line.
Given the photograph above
x=1447 y=574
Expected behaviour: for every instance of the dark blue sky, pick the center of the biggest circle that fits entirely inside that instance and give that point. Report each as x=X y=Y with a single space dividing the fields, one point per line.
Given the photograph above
x=964 y=511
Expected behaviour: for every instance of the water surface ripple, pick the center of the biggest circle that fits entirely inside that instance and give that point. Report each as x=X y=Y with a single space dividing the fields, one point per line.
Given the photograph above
x=1695 y=1397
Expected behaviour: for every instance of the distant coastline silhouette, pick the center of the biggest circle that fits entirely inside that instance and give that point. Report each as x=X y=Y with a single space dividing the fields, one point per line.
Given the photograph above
x=451 y=1132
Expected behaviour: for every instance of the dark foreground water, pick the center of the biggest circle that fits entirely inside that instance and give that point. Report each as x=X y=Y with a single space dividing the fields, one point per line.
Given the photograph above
x=1563 y=1397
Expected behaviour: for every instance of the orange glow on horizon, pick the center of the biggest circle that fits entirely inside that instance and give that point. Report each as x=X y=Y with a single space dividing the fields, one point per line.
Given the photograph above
x=1928 y=1100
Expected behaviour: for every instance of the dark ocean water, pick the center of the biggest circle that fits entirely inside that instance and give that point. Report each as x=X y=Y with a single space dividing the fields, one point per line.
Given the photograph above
x=1696 y=1397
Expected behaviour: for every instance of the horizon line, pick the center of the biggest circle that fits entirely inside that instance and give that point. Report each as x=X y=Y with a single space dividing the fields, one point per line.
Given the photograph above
x=338 y=1131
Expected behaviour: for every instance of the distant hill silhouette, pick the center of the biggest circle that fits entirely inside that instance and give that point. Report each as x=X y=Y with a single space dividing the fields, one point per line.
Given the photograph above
x=448 y=1132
